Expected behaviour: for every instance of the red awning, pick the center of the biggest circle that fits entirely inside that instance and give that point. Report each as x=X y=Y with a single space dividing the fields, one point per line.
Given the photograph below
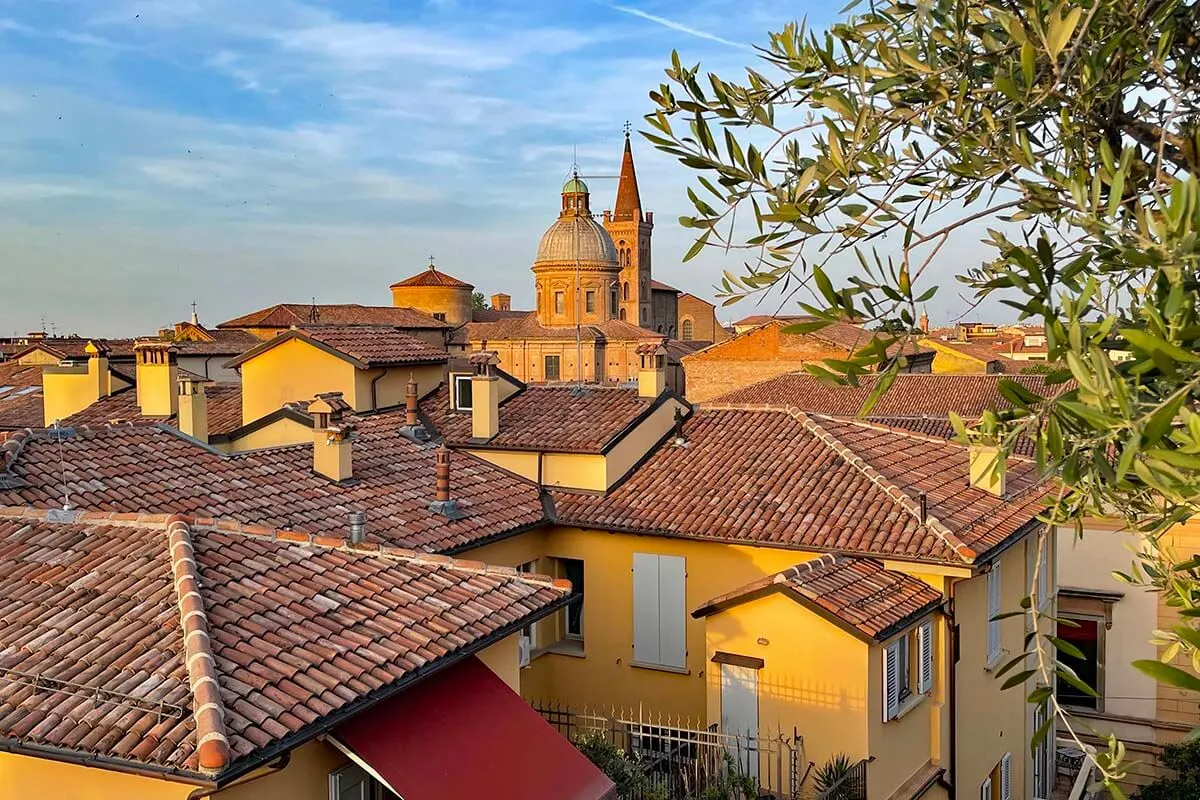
x=463 y=734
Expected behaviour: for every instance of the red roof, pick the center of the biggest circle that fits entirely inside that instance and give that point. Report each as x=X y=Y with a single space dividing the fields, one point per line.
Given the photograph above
x=20 y=395
x=224 y=410
x=432 y=277
x=463 y=733
x=368 y=346
x=99 y=611
x=629 y=203
x=285 y=315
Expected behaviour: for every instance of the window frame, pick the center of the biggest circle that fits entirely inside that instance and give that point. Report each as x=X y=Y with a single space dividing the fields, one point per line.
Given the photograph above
x=589 y=301
x=458 y=381
x=578 y=590
x=687 y=329
x=560 y=302
x=995 y=600
x=914 y=673
x=1101 y=662
x=546 y=360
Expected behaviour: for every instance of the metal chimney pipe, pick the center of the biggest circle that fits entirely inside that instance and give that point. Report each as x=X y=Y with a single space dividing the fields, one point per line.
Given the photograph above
x=443 y=474
x=924 y=502
x=358 y=524
x=410 y=403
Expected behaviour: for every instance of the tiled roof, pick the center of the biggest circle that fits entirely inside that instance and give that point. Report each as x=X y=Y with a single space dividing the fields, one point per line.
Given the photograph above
x=842 y=335
x=153 y=468
x=546 y=418
x=224 y=410
x=20 y=395
x=785 y=479
x=873 y=601
x=763 y=319
x=527 y=327
x=659 y=286
x=432 y=277
x=377 y=346
x=491 y=315
x=94 y=658
x=367 y=345
x=73 y=347
x=220 y=343
x=286 y=315
x=909 y=395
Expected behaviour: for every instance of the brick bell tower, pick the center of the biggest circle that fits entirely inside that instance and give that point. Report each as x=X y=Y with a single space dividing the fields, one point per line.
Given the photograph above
x=630 y=230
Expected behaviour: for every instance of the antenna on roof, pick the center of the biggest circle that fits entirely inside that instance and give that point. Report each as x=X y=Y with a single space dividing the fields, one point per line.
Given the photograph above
x=314 y=313
x=62 y=465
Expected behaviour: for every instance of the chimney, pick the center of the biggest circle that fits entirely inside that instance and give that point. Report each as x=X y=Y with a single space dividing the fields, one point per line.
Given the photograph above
x=443 y=503
x=924 y=322
x=678 y=438
x=166 y=333
x=157 y=378
x=501 y=302
x=99 y=378
x=193 y=408
x=410 y=403
x=485 y=395
x=987 y=468
x=652 y=376
x=331 y=438
x=358 y=525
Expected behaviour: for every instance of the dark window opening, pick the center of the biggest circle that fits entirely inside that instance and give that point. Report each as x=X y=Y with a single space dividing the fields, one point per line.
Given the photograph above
x=552 y=368
x=1089 y=638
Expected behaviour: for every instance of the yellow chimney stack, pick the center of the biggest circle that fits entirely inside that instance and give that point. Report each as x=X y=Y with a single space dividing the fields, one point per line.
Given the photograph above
x=652 y=376
x=67 y=390
x=332 y=454
x=157 y=378
x=485 y=395
x=193 y=408
x=987 y=468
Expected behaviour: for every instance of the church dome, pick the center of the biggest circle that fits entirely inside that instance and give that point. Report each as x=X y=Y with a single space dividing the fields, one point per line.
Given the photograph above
x=576 y=238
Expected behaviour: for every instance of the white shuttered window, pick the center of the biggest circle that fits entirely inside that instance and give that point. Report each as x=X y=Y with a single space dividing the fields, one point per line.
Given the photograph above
x=993 y=610
x=659 y=611
x=925 y=657
x=1006 y=777
x=891 y=680
x=1043 y=581
x=985 y=791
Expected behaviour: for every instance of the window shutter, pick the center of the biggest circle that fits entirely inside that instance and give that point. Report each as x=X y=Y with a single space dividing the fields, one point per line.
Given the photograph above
x=925 y=656
x=1006 y=777
x=672 y=612
x=985 y=791
x=993 y=609
x=645 y=608
x=891 y=680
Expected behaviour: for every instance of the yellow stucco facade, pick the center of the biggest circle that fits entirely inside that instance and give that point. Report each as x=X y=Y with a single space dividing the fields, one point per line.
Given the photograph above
x=952 y=361
x=296 y=370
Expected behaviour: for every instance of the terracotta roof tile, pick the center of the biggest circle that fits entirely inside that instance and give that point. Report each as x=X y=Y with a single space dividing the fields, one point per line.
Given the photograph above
x=20 y=396
x=281 y=634
x=432 y=277
x=224 y=410
x=874 y=601
x=376 y=346
x=785 y=479
x=556 y=418
x=287 y=315
x=526 y=326
x=219 y=343
x=135 y=468
x=73 y=347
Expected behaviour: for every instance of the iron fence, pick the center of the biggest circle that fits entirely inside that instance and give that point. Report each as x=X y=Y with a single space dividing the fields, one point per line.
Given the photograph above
x=681 y=760
x=851 y=786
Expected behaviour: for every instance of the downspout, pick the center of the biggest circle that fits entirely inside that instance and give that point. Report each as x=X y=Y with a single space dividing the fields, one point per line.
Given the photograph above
x=278 y=766
x=206 y=372
x=375 y=380
x=952 y=688
x=541 y=456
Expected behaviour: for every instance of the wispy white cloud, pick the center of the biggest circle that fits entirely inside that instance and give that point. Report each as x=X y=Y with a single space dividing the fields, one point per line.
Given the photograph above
x=678 y=26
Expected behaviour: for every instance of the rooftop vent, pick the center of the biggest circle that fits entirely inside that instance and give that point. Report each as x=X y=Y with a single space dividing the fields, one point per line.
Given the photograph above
x=358 y=525
x=444 y=504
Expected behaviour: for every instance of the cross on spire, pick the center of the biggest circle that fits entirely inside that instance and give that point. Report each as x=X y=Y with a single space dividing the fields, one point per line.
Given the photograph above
x=628 y=128
x=195 y=318
x=431 y=262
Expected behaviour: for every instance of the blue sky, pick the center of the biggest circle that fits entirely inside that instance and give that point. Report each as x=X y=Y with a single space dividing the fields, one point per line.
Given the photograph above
x=244 y=152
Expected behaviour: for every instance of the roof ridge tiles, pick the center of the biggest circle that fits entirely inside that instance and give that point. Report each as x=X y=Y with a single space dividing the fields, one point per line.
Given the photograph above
x=11 y=448
x=394 y=552
x=899 y=495
x=212 y=742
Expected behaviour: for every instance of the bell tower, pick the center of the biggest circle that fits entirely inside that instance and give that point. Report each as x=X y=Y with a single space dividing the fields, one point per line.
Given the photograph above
x=630 y=229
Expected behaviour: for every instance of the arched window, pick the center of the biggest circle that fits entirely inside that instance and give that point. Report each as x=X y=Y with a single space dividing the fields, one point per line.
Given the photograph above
x=622 y=314
x=660 y=330
x=625 y=293
x=615 y=302
x=687 y=330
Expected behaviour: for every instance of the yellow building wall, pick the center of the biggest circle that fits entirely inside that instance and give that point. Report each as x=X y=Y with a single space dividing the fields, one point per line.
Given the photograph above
x=278 y=434
x=454 y=302
x=67 y=391
x=948 y=360
x=991 y=722
x=621 y=458
x=521 y=463
x=605 y=678
x=823 y=697
x=503 y=659
x=576 y=470
x=38 y=356
x=905 y=744
x=391 y=388
x=292 y=371
x=306 y=777
x=28 y=778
